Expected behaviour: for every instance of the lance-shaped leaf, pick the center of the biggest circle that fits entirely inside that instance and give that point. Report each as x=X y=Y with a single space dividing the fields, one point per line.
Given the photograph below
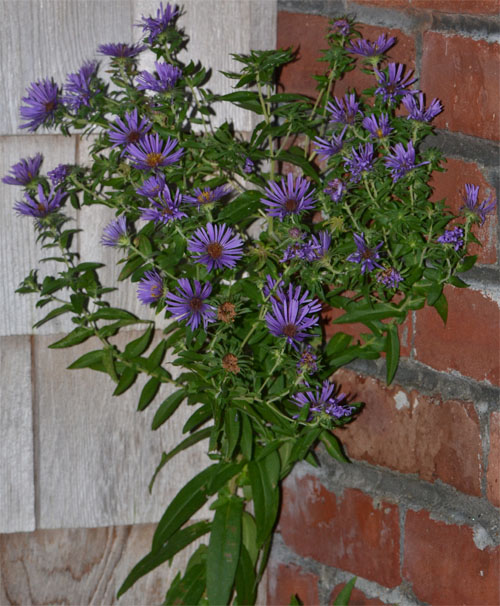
x=264 y=478
x=224 y=550
x=155 y=558
x=191 y=498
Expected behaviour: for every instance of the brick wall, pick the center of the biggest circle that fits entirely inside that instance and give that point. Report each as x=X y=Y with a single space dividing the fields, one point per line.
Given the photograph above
x=415 y=515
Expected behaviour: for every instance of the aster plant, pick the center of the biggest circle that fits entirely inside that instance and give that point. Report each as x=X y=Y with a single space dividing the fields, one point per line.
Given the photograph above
x=244 y=261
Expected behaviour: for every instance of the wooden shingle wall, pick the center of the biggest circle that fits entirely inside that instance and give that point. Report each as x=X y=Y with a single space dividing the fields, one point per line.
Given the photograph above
x=73 y=457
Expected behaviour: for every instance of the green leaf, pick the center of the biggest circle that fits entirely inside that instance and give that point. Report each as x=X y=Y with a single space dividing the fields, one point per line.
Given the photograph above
x=295 y=155
x=333 y=446
x=345 y=595
x=148 y=393
x=191 y=498
x=112 y=313
x=367 y=313
x=202 y=434
x=392 y=352
x=127 y=379
x=232 y=425
x=167 y=408
x=198 y=417
x=441 y=306
x=76 y=336
x=92 y=359
x=264 y=478
x=338 y=343
x=189 y=588
x=155 y=558
x=130 y=266
x=53 y=314
x=246 y=442
x=138 y=346
x=304 y=443
x=224 y=550
x=245 y=578
x=249 y=536
x=108 y=361
x=296 y=601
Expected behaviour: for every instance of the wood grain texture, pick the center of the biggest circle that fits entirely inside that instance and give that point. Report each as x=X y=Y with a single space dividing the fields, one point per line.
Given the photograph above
x=41 y=39
x=96 y=453
x=18 y=248
x=84 y=566
x=17 y=493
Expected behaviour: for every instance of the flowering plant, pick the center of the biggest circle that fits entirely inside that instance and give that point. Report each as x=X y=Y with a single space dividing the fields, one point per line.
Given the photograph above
x=243 y=262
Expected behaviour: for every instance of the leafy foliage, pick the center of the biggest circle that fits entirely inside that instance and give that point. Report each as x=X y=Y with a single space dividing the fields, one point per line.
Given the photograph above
x=245 y=264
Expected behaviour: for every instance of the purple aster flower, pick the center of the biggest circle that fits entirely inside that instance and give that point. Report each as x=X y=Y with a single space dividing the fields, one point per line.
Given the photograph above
x=470 y=199
x=78 y=86
x=365 y=48
x=389 y=277
x=151 y=152
x=291 y=319
x=323 y=401
x=308 y=361
x=154 y=26
x=24 y=171
x=115 y=233
x=335 y=190
x=166 y=209
x=121 y=49
x=453 y=236
x=288 y=198
x=418 y=112
x=41 y=102
x=360 y=161
x=188 y=304
x=167 y=78
x=321 y=243
x=394 y=83
x=342 y=27
x=327 y=149
x=401 y=161
x=150 y=289
x=129 y=131
x=249 y=166
x=207 y=195
x=59 y=174
x=152 y=186
x=216 y=246
x=364 y=255
x=379 y=129
x=343 y=111
x=294 y=251
x=272 y=284
x=42 y=207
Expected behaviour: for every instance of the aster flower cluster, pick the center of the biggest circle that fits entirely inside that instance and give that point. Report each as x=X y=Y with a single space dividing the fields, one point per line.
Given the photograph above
x=322 y=401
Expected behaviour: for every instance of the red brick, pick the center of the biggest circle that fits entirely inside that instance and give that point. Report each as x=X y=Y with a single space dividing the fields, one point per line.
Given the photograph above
x=474 y=7
x=444 y=565
x=451 y=185
x=351 y=531
x=383 y=3
x=308 y=33
x=287 y=580
x=464 y=74
x=412 y=433
x=469 y=343
x=358 y=598
x=493 y=474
